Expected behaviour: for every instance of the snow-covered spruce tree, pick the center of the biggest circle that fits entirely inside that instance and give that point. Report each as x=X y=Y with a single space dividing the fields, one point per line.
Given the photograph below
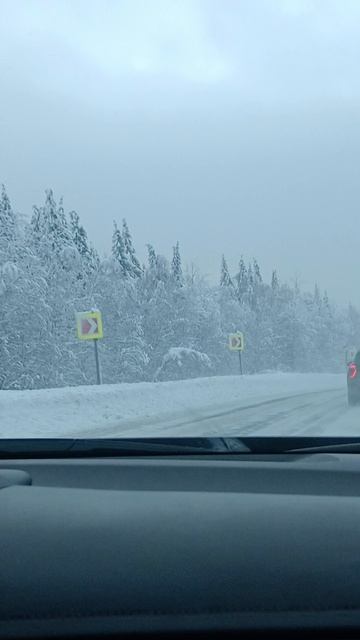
x=88 y=256
x=274 y=282
x=24 y=343
x=251 y=287
x=162 y=298
x=151 y=256
x=123 y=349
x=176 y=267
x=225 y=279
x=257 y=273
x=321 y=330
x=119 y=253
x=156 y=289
x=241 y=281
x=56 y=226
x=202 y=321
x=8 y=222
x=260 y=333
x=135 y=269
x=50 y=234
x=230 y=318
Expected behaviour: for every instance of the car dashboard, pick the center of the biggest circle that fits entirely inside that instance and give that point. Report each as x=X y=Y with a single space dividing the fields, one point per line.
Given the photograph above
x=195 y=545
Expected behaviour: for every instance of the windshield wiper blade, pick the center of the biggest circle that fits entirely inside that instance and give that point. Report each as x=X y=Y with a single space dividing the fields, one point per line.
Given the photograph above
x=334 y=447
x=147 y=446
x=85 y=447
x=278 y=445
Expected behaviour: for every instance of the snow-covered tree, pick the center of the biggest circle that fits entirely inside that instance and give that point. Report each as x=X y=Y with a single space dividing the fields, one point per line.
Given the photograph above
x=8 y=221
x=181 y=363
x=79 y=236
x=151 y=256
x=50 y=231
x=241 y=280
x=257 y=274
x=135 y=267
x=119 y=252
x=176 y=267
x=225 y=279
x=274 y=281
x=151 y=323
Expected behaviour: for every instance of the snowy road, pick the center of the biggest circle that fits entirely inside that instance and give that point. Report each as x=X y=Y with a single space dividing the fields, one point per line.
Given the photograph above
x=264 y=404
x=315 y=413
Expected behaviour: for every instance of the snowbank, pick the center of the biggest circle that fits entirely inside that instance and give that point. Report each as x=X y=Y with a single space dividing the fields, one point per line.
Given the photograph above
x=126 y=409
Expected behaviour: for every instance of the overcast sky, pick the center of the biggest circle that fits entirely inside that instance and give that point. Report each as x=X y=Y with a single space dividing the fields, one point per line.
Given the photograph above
x=230 y=125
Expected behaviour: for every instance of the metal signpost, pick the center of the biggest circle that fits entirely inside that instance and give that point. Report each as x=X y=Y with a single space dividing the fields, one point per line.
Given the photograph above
x=89 y=327
x=236 y=343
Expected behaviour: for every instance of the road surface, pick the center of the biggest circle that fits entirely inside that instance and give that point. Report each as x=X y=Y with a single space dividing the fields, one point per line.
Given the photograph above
x=319 y=413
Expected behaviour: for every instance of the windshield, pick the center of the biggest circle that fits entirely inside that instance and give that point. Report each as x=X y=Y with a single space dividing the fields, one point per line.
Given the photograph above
x=179 y=219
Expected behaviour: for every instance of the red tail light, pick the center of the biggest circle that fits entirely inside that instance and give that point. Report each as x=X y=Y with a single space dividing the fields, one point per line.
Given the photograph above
x=352 y=370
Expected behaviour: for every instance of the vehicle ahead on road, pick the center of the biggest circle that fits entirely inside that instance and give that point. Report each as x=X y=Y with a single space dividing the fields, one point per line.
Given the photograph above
x=353 y=380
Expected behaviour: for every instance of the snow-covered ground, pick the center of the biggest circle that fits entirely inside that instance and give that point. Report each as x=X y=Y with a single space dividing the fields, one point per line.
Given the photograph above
x=269 y=404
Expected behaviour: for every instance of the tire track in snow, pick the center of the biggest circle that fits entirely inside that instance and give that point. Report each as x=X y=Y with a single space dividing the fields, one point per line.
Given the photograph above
x=317 y=413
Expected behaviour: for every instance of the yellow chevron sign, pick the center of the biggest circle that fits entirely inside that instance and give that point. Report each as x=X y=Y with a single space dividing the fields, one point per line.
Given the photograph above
x=236 y=341
x=89 y=325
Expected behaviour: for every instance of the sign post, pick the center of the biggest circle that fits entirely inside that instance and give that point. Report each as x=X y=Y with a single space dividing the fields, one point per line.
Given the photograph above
x=97 y=363
x=236 y=343
x=89 y=327
x=240 y=363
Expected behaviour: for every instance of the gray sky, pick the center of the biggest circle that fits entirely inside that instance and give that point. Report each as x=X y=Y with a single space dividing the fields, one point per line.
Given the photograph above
x=231 y=125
